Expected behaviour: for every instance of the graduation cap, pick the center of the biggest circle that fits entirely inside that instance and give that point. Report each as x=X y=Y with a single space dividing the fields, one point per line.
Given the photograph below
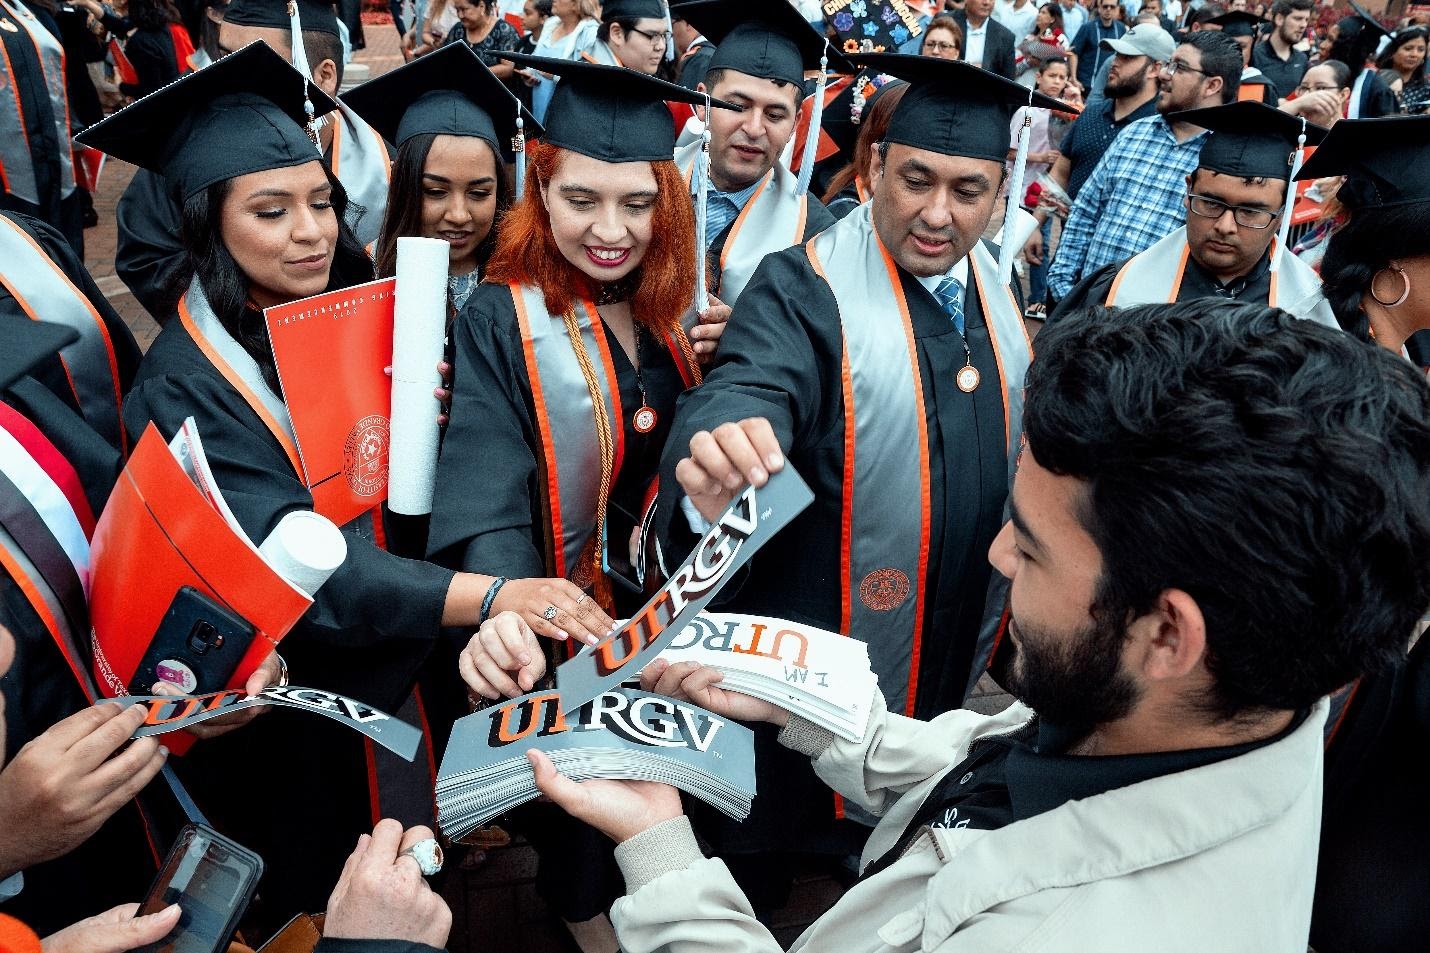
x=245 y=113
x=447 y=92
x=25 y=344
x=295 y=16
x=1239 y=23
x=958 y=109
x=1251 y=140
x=1384 y=161
x=764 y=38
x=632 y=10
x=611 y=113
x=1368 y=21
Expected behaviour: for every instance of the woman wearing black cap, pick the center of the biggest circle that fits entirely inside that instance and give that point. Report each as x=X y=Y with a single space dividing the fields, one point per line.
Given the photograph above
x=569 y=361
x=262 y=221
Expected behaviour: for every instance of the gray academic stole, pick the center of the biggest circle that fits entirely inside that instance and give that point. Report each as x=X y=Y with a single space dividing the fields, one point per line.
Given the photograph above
x=45 y=293
x=16 y=165
x=360 y=162
x=1155 y=277
x=567 y=420
x=884 y=547
x=772 y=220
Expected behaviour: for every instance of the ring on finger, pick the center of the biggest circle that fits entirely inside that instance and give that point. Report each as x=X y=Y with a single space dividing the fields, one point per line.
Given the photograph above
x=428 y=855
x=582 y=601
x=549 y=614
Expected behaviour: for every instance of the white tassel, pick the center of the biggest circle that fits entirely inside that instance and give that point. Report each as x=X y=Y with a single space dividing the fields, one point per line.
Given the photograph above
x=816 y=119
x=1006 y=253
x=518 y=148
x=669 y=37
x=702 y=201
x=300 y=63
x=1289 y=207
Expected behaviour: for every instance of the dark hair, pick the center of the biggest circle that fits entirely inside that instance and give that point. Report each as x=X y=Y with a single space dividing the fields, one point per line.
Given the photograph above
x=1339 y=70
x=1364 y=244
x=543 y=7
x=1055 y=10
x=1221 y=56
x=1396 y=42
x=603 y=32
x=226 y=286
x=945 y=22
x=153 y=14
x=1052 y=61
x=1275 y=470
x=1205 y=12
x=404 y=203
x=323 y=46
x=1282 y=8
x=1354 y=44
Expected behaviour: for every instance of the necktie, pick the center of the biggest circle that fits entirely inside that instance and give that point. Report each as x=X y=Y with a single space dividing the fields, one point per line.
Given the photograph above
x=950 y=297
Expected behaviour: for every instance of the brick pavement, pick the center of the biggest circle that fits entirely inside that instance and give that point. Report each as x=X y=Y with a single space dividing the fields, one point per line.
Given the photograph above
x=494 y=905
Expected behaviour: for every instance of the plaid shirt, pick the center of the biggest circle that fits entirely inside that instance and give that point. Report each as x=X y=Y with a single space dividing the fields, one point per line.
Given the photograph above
x=1132 y=200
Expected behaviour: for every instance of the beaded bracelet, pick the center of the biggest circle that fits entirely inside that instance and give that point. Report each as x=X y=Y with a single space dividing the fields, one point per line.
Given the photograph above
x=491 y=597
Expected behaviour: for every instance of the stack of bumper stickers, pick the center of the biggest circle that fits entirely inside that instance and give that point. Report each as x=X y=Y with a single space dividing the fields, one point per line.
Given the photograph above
x=623 y=733
x=821 y=676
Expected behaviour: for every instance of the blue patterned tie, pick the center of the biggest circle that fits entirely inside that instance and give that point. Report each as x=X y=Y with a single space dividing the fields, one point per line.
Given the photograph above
x=950 y=297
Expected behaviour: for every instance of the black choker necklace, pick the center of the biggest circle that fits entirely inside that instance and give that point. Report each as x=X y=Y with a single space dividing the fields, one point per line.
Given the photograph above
x=615 y=291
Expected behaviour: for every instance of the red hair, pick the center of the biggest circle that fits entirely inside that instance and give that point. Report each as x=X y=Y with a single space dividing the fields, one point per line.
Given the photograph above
x=526 y=251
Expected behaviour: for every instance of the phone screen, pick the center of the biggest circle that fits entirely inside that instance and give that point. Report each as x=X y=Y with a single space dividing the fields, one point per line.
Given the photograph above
x=212 y=879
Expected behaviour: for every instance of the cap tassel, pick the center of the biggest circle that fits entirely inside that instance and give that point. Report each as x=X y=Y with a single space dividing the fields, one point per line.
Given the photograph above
x=518 y=148
x=702 y=201
x=300 y=63
x=669 y=37
x=1006 y=253
x=1285 y=230
x=816 y=119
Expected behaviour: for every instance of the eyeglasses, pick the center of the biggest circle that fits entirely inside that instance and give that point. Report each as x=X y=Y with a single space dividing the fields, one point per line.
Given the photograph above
x=939 y=46
x=1215 y=208
x=657 y=40
x=1303 y=89
x=1172 y=67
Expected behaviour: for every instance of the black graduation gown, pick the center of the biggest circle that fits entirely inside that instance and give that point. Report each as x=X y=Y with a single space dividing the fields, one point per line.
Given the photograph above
x=155 y=63
x=149 y=257
x=818 y=219
x=1197 y=282
x=291 y=786
x=116 y=864
x=780 y=358
x=487 y=517
x=50 y=371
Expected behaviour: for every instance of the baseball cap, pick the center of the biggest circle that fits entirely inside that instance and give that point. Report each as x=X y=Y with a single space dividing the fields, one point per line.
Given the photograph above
x=1144 y=39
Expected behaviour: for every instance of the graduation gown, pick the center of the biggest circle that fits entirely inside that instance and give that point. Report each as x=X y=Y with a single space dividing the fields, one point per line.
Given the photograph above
x=116 y=863
x=294 y=789
x=781 y=358
x=490 y=514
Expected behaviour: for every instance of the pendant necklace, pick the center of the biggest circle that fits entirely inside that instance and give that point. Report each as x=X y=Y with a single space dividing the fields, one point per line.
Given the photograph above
x=645 y=418
x=968 y=377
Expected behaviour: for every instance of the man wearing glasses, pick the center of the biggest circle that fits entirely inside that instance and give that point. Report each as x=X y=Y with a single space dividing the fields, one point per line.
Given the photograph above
x=1234 y=200
x=632 y=35
x=1134 y=198
x=1088 y=44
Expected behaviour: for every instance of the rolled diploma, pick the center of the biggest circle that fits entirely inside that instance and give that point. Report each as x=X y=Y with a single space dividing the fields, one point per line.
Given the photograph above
x=419 y=325
x=305 y=549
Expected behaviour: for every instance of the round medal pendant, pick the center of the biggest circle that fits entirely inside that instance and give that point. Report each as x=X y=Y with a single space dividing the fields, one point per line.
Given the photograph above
x=644 y=420
x=968 y=379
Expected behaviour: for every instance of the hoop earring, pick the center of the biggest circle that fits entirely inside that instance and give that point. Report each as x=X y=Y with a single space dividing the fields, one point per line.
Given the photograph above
x=1404 y=294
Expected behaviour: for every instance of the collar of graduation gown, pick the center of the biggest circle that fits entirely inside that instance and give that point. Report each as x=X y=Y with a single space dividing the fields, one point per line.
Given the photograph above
x=1154 y=276
x=360 y=160
x=238 y=368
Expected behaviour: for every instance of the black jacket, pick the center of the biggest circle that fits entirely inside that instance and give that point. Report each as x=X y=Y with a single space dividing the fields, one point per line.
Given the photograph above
x=998 y=52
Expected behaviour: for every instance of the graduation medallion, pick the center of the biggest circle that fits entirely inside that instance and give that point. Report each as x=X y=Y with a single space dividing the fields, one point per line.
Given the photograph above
x=967 y=378
x=644 y=420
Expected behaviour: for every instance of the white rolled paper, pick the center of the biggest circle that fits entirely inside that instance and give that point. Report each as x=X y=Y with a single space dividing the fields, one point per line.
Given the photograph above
x=419 y=327
x=305 y=549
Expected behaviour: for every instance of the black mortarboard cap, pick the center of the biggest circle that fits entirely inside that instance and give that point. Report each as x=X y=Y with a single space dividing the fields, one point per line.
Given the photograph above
x=25 y=344
x=953 y=107
x=1368 y=19
x=609 y=112
x=764 y=38
x=243 y=114
x=447 y=92
x=1249 y=139
x=315 y=15
x=1384 y=161
x=1239 y=23
x=632 y=10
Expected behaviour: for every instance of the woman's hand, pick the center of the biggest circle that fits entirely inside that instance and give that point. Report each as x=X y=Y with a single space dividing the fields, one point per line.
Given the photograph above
x=699 y=684
x=503 y=658
x=443 y=391
x=618 y=809
x=705 y=336
x=268 y=673
x=576 y=614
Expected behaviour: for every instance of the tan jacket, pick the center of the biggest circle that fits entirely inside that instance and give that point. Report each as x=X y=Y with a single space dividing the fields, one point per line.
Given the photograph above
x=1216 y=858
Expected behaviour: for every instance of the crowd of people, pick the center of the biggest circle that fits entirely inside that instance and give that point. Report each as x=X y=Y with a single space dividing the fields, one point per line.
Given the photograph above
x=1099 y=354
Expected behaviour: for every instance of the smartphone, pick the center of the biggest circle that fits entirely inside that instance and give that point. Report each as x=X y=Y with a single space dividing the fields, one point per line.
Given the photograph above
x=197 y=646
x=213 y=880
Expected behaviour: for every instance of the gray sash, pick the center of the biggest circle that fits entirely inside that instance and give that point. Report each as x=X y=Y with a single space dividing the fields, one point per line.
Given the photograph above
x=45 y=293
x=359 y=160
x=771 y=221
x=884 y=541
x=1155 y=277
x=570 y=450
x=14 y=144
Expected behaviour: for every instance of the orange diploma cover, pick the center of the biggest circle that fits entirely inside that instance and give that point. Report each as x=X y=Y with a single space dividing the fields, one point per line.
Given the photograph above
x=331 y=351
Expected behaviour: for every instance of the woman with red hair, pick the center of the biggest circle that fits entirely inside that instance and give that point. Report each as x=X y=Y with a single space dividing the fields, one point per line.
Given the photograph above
x=569 y=360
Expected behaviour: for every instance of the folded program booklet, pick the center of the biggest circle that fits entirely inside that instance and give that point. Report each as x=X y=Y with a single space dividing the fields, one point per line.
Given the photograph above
x=819 y=675
x=623 y=734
